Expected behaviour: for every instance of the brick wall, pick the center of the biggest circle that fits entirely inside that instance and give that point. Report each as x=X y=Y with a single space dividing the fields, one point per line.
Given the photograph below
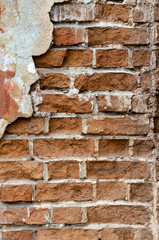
x=85 y=166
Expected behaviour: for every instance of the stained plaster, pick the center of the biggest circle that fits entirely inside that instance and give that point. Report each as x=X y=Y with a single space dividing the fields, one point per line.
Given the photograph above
x=25 y=31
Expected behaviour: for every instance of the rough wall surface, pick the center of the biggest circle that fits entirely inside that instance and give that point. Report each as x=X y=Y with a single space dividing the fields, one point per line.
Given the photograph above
x=85 y=166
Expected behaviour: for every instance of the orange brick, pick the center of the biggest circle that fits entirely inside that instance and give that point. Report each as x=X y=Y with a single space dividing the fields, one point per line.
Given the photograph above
x=59 y=103
x=106 y=81
x=63 y=192
x=26 y=126
x=68 y=36
x=117 y=170
x=111 y=58
x=63 y=170
x=21 y=170
x=118 y=126
x=67 y=215
x=66 y=125
x=141 y=58
x=111 y=191
x=54 y=81
x=15 y=235
x=143 y=148
x=118 y=214
x=14 y=148
x=64 y=148
x=118 y=233
x=141 y=192
x=116 y=35
x=16 y=193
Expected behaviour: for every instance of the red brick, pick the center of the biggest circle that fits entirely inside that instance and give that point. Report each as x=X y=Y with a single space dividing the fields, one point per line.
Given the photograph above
x=157 y=58
x=146 y=80
x=20 y=216
x=144 y=234
x=141 y=192
x=14 y=148
x=66 y=125
x=114 y=103
x=67 y=215
x=156 y=12
x=142 y=103
x=54 y=81
x=113 y=13
x=141 y=58
x=26 y=126
x=64 y=148
x=118 y=214
x=68 y=36
x=118 y=126
x=59 y=103
x=143 y=148
x=63 y=170
x=117 y=170
x=17 y=235
x=157 y=171
x=156 y=123
x=110 y=191
x=52 y=58
x=21 y=170
x=64 y=58
x=16 y=193
x=72 y=12
x=63 y=192
x=113 y=147
x=118 y=234
x=111 y=58
x=116 y=35
x=106 y=81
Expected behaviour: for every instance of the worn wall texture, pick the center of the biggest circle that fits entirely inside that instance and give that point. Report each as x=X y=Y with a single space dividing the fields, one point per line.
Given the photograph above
x=85 y=166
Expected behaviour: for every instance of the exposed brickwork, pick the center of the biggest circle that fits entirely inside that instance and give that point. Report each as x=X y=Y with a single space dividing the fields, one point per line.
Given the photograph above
x=85 y=166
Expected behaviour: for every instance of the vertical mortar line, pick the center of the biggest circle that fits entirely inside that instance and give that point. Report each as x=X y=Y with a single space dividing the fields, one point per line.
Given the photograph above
x=31 y=151
x=128 y=191
x=46 y=124
x=45 y=172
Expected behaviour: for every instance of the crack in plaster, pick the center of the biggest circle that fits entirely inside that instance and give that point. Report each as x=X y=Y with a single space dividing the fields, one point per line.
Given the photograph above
x=25 y=31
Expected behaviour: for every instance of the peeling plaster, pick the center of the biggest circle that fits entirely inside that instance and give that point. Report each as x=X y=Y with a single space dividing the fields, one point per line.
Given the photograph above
x=25 y=31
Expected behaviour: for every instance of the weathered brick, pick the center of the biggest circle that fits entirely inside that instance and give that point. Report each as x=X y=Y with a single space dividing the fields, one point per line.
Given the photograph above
x=110 y=191
x=20 y=216
x=14 y=148
x=157 y=171
x=16 y=193
x=118 y=234
x=118 y=214
x=72 y=12
x=112 y=13
x=64 y=147
x=156 y=34
x=106 y=81
x=21 y=170
x=116 y=35
x=64 y=58
x=114 y=103
x=157 y=58
x=68 y=36
x=113 y=147
x=141 y=192
x=140 y=14
x=67 y=215
x=16 y=235
x=63 y=192
x=146 y=80
x=68 y=233
x=141 y=58
x=117 y=170
x=142 y=104
x=54 y=81
x=143 y=148
x=156 y=12
x=52 y=58
x=57 y=103
x=156 y=77
x=118 y=126
x=156 y=123
x=63 y=170
x=111 y=58
x=32 y=125
x=66 y=125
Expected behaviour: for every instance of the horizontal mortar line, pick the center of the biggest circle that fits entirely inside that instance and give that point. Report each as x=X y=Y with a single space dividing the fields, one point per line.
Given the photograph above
x=88 y=93
x=96 y=24
x=50 y=204
x=96 y=226
x=80 y=70
x=94 y=181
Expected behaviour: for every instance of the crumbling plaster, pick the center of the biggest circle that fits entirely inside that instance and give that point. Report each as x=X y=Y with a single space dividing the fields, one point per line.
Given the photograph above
x=25 y=31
